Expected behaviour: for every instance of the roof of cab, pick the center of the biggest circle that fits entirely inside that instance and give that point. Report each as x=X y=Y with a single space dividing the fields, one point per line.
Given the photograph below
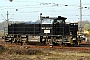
x=59 y=17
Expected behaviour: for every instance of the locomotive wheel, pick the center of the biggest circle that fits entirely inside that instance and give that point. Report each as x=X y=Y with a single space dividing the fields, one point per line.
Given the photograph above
x=75 y=43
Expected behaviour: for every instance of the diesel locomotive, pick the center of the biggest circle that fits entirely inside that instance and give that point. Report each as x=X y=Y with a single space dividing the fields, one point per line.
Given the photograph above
x=50 y=31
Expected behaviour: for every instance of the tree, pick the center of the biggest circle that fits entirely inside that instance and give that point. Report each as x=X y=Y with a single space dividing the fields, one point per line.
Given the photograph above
x=87 y=27
x=83 y=23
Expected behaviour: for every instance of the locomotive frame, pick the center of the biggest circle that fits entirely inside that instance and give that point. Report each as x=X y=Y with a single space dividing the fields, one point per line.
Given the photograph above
x=55 y=31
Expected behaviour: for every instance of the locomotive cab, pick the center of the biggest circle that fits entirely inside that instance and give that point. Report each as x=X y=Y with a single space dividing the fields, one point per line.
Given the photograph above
x=52 y=29
x=48 y=24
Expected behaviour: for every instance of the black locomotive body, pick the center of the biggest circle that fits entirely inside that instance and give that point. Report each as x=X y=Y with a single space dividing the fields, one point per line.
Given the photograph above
x=51 y=31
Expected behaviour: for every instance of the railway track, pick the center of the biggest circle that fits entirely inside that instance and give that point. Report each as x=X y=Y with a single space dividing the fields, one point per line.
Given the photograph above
x=83 y=46
x=72 y=48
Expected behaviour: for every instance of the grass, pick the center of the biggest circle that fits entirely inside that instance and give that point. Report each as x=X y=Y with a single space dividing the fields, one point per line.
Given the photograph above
x=42 y=54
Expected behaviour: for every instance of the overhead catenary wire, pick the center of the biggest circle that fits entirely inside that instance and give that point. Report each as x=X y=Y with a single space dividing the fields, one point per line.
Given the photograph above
x=40 y=6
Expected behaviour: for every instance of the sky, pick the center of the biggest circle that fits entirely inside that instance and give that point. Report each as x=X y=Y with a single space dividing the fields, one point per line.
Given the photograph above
x=29 y=10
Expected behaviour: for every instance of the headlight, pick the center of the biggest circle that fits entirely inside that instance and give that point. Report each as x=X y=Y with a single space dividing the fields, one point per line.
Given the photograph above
x=43 y=39
x=74 y=39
